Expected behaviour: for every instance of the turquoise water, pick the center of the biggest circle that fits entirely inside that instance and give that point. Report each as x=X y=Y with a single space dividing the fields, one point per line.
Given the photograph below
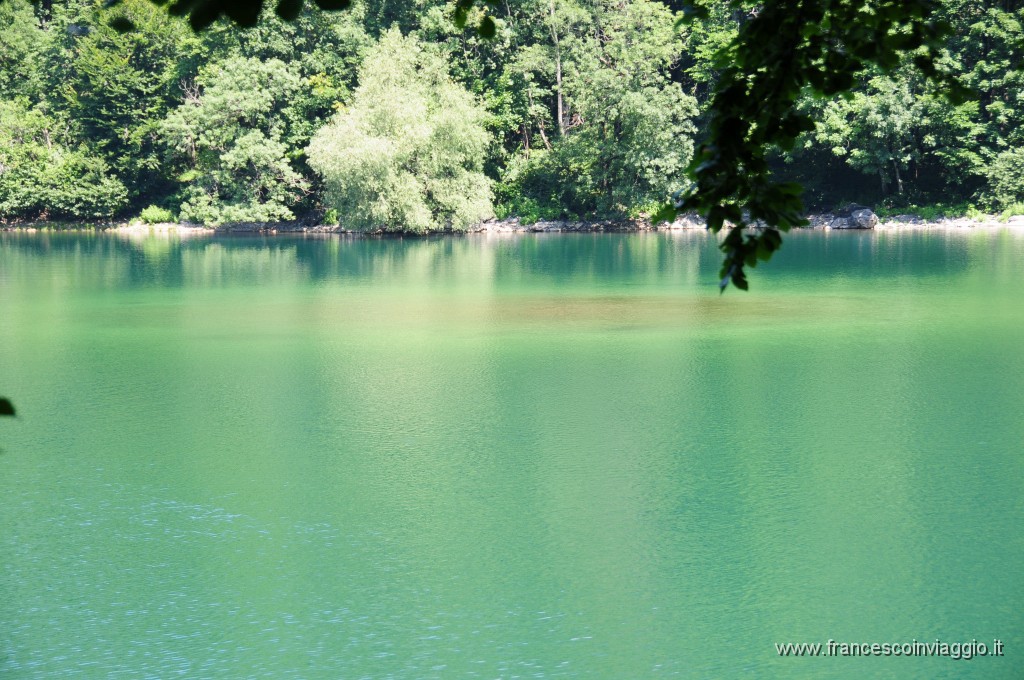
x=552 y=456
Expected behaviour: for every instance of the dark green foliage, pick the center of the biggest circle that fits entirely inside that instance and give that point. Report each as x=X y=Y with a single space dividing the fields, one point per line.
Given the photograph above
x=323 y=49
x=116 y=87
x=6 y=407
x=226 y=140
x=20 y=73
x=42 y=175
x=1006 y=179
x=628 y=130
x=786 y=48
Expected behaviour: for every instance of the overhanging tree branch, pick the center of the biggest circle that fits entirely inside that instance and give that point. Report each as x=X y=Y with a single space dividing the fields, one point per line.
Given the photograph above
x=784 y=50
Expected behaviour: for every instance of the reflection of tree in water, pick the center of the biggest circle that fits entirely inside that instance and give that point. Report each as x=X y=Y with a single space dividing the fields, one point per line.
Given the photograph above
x=580 y=262
x=85 y=260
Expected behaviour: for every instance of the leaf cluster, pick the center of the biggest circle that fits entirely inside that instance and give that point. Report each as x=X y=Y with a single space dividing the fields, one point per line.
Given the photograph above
x=783 y=50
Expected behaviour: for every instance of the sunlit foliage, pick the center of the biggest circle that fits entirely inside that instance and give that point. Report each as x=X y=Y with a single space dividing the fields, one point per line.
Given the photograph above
x=407 y=154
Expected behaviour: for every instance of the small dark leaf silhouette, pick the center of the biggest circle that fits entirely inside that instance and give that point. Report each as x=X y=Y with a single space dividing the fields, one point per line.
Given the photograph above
x=122 y=24
x=487 y=27
x=6 y=407
x=333 y=4
x=243 y=14
x=289 y=9
x=203 y=15
x=462 y=8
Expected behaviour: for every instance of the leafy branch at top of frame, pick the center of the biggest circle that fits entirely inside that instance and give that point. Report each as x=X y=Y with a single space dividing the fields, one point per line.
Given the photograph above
x=202 y=13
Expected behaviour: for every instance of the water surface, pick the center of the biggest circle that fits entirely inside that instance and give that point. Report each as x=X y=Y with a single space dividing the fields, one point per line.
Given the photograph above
x=540 y=456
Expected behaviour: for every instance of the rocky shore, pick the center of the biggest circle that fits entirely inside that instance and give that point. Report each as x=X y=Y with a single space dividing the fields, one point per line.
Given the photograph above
x=851 y=219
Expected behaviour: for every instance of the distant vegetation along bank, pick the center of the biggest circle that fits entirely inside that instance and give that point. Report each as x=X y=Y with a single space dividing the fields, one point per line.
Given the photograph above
x=387 y=116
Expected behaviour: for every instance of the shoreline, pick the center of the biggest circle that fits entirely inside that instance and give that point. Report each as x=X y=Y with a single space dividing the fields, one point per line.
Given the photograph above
x=818 y=222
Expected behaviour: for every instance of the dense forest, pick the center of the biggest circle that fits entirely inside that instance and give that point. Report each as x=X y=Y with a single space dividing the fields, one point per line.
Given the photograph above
x=389 y=116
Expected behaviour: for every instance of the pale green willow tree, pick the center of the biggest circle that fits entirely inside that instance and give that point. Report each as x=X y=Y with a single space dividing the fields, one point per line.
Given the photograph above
x=407 y=154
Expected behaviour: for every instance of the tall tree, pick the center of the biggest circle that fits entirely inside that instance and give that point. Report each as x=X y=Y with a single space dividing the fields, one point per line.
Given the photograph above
x=118 y=86
x=407 y=155
x=227 y=140
x=626 y=132
x=21 y=72
x=44 y=175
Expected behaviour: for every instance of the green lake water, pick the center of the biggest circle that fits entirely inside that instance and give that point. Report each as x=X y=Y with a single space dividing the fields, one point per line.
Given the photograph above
x=539 y=456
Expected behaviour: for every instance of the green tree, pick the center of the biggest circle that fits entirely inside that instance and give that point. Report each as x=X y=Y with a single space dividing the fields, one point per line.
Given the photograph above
x=407 y=154
x=616 y=129
x=1006 y=179
x=226 y=140
x=42 y=175
x=985 y=49
x=115 y=88
x=324 y=49
x=878 y=131
x=631 y=125
x=20 y=51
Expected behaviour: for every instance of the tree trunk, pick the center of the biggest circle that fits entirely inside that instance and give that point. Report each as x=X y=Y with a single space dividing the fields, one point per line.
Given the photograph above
x=544 y=137
x=540 y=122
x=558 y=74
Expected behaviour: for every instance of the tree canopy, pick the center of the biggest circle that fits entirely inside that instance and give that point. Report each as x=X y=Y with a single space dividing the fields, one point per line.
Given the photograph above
x=408 y=152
